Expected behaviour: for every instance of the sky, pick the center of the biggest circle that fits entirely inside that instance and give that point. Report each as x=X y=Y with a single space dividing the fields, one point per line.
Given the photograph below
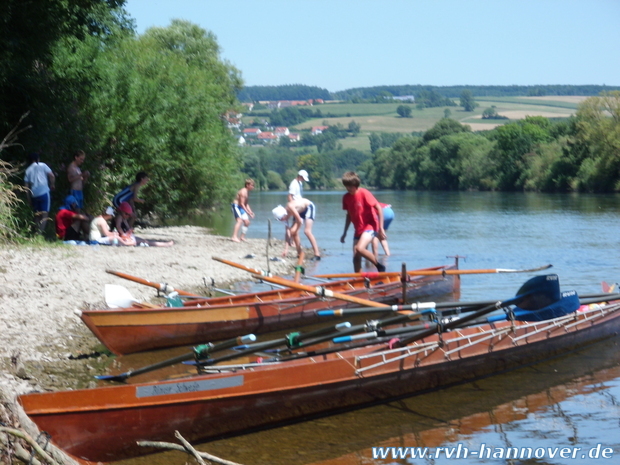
x=343 y=44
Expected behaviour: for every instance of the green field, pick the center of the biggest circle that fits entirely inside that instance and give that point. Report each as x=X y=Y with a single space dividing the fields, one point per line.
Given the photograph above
x=382 y=117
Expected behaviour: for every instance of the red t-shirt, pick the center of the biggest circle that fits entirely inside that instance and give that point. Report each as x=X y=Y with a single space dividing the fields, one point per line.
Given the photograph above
x=64 y=219
x=361 y=208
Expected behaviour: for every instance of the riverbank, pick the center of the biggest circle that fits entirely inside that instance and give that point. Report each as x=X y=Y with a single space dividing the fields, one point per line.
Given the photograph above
x=42 y=338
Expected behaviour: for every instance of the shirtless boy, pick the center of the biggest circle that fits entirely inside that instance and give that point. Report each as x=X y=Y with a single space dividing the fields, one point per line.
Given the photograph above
x=242 y=211
x=77 y=178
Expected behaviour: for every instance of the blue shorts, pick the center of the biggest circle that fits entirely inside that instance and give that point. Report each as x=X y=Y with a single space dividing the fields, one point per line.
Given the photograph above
x=123 y=196
x=309 y=213
x=388 y=216
x=42 y=203
x=79 y=196
x=239 y=212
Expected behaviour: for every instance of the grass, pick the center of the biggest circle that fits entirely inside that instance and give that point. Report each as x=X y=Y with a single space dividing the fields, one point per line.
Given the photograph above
x=382 y=117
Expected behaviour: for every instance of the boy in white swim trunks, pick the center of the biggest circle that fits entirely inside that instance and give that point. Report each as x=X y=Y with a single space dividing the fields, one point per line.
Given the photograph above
x=242 y=211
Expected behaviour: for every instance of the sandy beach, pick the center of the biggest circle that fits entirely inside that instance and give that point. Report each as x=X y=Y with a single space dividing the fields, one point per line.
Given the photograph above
x=42 y=287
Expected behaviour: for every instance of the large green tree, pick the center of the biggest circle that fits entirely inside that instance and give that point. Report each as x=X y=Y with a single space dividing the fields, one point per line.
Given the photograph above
x=160 y=101
x=29 y=32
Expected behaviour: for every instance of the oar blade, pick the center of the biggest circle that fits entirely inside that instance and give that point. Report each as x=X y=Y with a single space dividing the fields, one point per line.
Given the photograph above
x=539 y=292
x=119 y=378
x=117 y=296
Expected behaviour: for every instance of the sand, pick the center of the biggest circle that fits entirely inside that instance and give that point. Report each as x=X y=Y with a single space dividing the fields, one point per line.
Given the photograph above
x=41 y=287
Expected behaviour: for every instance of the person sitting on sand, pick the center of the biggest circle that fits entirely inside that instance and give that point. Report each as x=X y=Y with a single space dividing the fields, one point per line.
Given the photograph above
x=100 y=231
x=125 y=231
x=70 y=224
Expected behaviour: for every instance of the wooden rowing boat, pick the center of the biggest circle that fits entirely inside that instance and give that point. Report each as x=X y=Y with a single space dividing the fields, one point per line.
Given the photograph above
x=140 y=328
x=103 y=424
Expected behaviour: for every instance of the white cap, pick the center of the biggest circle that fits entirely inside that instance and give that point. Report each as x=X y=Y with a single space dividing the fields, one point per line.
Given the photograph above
x=109 y=211
x=279 y=212
x=304 y=174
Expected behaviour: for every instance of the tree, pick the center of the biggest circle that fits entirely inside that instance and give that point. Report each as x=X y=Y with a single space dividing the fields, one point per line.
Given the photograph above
x=598 y=132
x=29 y=32
x=443 y=127
x=161 y=98
x=319 y=167
x=514 y=141
x=354 y=128
x=467 y=100
x=404 y=111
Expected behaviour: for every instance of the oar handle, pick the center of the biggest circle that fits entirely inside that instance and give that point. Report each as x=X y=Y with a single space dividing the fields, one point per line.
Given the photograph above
x=173 y=361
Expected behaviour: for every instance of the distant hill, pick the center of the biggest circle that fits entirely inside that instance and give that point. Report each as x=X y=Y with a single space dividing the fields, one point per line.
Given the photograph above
x=287 y=92
x=303 y=92
x=477 y=91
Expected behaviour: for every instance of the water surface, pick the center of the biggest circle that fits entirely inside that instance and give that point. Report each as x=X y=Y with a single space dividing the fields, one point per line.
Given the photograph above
x=573 y=401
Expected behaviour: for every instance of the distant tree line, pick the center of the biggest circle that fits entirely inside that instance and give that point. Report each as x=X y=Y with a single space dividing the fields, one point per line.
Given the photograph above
x=580 y=154
x=425 y=96
x=452 y=92
x=285 y=92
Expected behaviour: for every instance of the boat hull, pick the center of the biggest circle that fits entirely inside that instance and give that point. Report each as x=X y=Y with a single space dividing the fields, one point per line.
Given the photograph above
x=125 y=331
x=103 y=424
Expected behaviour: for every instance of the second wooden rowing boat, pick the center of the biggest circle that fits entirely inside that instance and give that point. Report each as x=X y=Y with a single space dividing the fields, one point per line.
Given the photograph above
x=138 y=328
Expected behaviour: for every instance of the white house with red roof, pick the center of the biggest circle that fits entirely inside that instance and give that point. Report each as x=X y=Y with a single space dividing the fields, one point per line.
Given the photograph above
x=252 y=132
x=268 y=137
x=316 y=130
x=281 y=131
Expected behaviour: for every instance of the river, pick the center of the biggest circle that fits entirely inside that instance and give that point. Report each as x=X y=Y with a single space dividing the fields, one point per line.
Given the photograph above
x=571 y=402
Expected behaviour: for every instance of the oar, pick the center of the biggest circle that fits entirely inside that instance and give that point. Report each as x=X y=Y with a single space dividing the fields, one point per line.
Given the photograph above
x=451 y=307
x=429 y=273
x=401 y=308
x=198 y=352
x=117 y=296
x=242 y=267
x=297 y=340
x=533 y=293
x=321 y=291
x=292 y=340
x=163 y=287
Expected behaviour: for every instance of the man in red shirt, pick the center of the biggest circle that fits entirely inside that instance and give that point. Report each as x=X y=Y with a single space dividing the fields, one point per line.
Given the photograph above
x=366 y=214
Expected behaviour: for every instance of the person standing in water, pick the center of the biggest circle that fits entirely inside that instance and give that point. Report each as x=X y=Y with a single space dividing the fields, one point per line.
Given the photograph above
x=242 y=211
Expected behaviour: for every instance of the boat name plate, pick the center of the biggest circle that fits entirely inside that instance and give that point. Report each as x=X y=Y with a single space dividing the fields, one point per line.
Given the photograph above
x=188 y=386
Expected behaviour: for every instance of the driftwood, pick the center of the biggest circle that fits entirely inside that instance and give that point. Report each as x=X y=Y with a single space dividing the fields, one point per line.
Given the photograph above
x=188 y=448
x=17 y=443
x=21 y=453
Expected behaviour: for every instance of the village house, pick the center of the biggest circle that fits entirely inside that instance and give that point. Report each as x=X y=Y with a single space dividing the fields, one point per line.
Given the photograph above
x=281 y=131
x=251 y=132
x=316 y=130
x=267 y=137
